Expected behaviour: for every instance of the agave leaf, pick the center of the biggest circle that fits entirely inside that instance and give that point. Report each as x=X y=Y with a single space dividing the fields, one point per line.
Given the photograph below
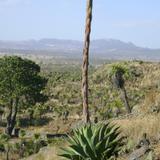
x=75 y=157
x=78 y=150
x=67 y=151
x=114 y=136
x=107 y=142
x=73 y=140
x=88 y=133
x=76 y=134
x=102 y=132
x=95 y=137
x=90 y=153
x=108 y=154
x=68 y=156
x=86 y=145
x=115 y=141
x=100 y=147
x=117 y=130
x=82 y=140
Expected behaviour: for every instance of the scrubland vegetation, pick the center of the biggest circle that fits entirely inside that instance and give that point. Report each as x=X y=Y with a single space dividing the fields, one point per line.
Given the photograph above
x=40 y=128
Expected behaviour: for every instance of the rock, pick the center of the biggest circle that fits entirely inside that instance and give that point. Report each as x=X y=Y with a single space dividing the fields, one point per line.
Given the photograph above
x=138 y=153
x=143 y=148
x=50 y=136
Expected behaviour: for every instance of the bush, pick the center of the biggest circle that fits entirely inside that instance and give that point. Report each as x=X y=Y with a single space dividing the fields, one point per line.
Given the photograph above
x=93 y=142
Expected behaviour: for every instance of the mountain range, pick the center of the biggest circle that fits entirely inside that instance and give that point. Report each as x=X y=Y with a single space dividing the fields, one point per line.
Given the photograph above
x=100 y=48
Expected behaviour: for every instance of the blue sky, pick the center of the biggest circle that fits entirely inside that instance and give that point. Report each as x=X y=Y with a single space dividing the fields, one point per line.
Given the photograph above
x=137 y=21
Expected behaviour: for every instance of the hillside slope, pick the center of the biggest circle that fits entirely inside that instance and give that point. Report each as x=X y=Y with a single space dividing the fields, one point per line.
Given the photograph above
x=143 y=89
x=142 y=86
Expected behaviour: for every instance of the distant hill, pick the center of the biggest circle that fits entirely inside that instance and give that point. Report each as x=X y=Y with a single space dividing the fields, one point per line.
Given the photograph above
x=101 y=48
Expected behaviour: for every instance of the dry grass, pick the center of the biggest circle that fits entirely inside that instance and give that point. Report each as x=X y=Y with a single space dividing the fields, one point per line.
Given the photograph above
x=54 y=126
x=157 y=150
x=135 y=127
x=48 y=153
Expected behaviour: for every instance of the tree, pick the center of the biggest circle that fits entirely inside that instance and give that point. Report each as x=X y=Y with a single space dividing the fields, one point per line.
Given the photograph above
x=85 y=64
x=20 y=85
x=117 y=73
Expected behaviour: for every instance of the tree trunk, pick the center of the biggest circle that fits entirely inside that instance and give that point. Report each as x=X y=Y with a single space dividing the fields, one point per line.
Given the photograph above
x=85 y=64
x=11 y=118
x=125 y=99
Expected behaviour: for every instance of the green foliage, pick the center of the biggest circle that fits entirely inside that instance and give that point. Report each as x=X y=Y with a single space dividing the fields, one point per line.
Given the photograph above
x=119 y=68
x=36 y=136
x=4 y=138
x=39 y=110
x=64 y=92
x=37 y=144
x=26 y=146
x=93 y=142
x=22 y=133
x=20 y=79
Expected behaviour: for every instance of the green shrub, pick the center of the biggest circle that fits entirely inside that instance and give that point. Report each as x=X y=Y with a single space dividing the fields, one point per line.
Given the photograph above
x=4 y=138
x=22 y=134
x=93 y=142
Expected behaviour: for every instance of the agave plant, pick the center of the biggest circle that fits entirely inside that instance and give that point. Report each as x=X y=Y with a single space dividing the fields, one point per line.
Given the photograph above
x=93 y=142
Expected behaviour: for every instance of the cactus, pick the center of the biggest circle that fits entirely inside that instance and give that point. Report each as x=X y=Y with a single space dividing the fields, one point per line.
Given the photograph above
x=93 y=142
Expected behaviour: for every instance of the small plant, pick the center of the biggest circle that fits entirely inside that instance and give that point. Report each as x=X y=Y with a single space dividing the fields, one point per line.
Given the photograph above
x=37 y=140
x=22 y=134
x=4 y=144
x=93 y=142
x=21 y=146
x=4 y=138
